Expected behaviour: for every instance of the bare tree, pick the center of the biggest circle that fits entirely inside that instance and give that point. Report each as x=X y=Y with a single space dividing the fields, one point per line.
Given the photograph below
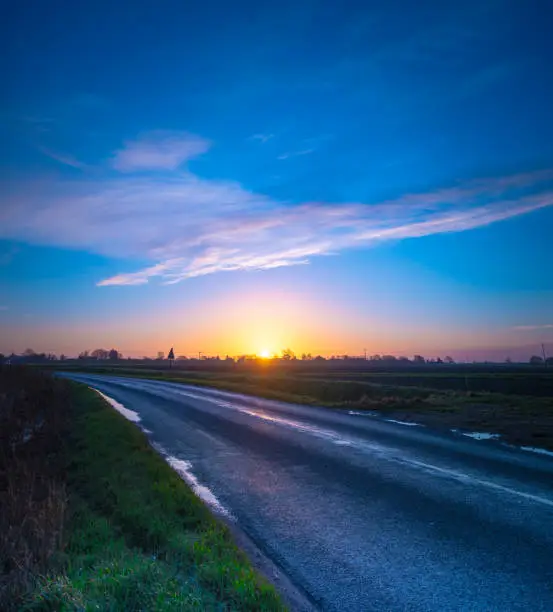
x=171 y=357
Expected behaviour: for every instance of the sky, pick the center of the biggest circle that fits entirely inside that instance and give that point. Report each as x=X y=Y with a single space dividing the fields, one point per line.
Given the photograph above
x=243 y=177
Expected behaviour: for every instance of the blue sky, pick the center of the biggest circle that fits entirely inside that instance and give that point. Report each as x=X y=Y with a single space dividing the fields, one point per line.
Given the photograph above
x=349 y=175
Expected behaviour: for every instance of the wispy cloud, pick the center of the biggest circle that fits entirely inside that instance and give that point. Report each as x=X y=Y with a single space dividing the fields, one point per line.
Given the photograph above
x=295 y=153
x=262 y=137
x=159 y=150
x=62 y=158
x=533 y=327
x=185 y=226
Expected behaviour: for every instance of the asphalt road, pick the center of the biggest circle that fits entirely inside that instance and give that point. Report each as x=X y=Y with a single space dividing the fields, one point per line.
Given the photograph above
x=361 y=513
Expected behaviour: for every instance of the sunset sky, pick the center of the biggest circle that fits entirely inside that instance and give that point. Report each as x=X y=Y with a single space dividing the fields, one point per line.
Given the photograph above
x=238 y=177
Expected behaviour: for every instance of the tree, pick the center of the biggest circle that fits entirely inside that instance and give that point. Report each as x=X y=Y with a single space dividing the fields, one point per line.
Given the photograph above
x=418 y=359
x=288 y=354
x=449 y=359
x=84 y=355
x=113 y=355
x=535 y=360
x=28 y=353
x=99 y=354
x=62 y=357
x=171 y=357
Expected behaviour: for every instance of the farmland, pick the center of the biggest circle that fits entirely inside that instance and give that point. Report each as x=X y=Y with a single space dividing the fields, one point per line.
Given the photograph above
x=513 y=401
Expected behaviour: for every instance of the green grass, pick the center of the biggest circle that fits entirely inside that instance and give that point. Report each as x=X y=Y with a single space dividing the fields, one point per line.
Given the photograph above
x=135 y=535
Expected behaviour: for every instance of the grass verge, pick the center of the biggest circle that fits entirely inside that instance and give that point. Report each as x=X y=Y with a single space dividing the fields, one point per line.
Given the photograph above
x=131 y=534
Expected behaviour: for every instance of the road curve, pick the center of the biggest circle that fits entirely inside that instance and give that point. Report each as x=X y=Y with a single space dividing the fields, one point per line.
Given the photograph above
x=361 y=513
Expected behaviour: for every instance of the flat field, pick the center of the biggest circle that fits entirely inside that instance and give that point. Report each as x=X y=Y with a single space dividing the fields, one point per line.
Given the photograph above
x=515 y=402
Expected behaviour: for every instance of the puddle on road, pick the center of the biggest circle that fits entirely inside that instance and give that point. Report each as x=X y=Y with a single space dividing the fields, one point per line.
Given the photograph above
x=481 y=435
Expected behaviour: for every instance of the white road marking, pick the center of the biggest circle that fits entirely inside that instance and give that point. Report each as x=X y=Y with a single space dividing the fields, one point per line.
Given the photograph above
x=131 y=415
x=383 y=451
x=533 y=449
x=182 y=467
x=184 y=470
x=407 y=423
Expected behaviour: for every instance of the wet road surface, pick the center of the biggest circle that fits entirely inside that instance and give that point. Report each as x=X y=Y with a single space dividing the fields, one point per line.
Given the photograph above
x=359 y=512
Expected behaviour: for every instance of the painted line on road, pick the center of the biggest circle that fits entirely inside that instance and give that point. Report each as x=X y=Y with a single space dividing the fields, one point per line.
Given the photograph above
x=540 y=451
x=182 y=467
x=131 y=415
x=184 y=470
x=383 y=451
x=406 y=423
x=472 y=480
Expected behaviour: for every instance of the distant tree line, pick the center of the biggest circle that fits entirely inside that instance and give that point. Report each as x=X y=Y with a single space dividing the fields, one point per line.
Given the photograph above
x=287 y=355
x=112 y=355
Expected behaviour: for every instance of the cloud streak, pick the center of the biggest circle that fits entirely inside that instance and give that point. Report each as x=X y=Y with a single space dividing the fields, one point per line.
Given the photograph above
x=295 y=153
x=533 y=327
x=184 y=226
x=263 y=138
x=159 y=150
x=63 y=158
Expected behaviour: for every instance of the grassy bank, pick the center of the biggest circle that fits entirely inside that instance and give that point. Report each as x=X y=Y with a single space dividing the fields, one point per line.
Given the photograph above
x=519 y=419
x=126 y=533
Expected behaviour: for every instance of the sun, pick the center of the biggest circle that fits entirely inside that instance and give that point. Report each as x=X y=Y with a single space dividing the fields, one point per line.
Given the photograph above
x=264 y=354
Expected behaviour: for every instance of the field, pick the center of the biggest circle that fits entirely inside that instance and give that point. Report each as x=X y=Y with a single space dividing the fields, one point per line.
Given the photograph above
x=93 y=518
x=515 y=402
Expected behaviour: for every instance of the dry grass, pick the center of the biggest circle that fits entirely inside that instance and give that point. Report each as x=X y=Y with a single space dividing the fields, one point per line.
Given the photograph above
x=33 y=419
x=93 y=518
